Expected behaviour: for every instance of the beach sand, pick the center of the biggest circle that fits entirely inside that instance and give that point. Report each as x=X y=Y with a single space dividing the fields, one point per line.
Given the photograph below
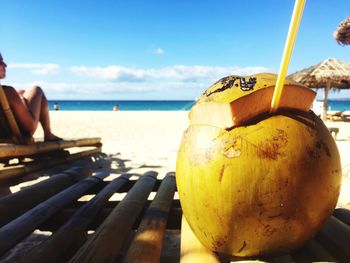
x=149 y=140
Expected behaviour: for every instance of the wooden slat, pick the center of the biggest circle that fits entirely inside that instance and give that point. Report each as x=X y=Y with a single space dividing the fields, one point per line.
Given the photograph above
x=5 y=107
x=191 y=248
x=5 y=131
x=73 y=234
x=318 y=252
x=25 y=224
x=108 y=239
x=18 y=150
x=336 y=236
x=343 y=215
x=13 y=205
x=54 y=223
x=147 y=243
x=280 y=259
x=119 y=222
x=18 y=170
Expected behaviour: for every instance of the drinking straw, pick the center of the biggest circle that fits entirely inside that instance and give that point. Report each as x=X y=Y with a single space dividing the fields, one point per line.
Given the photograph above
x=287 y=53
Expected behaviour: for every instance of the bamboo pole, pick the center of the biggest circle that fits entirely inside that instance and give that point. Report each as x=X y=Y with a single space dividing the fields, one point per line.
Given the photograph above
x=343 y=215
x=108 y=239
x=25 y=224
x=9 y=116
x=318 y=252
x=278 y=259
x=191 y=248
x=325 y=100
x=18 y=150
x=14 y=171
x=72 y=234
x=147 y=244
x=337 y=235
x=13 y=205
x=5 y=131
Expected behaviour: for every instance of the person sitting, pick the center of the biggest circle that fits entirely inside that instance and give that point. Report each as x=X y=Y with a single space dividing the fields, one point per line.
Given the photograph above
x=29 y=107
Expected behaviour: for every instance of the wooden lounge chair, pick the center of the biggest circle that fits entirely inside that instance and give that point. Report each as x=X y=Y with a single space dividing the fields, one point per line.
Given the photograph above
x=346 y=116
x=336 y=116
x=14 y=144
x=135 y=227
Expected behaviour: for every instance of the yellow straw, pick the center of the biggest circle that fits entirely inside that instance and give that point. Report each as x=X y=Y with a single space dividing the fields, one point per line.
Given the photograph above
x=287 y=53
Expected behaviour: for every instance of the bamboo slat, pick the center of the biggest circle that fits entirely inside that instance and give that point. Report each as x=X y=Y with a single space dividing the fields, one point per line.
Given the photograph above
x=13 y=205
x=9 y=116
x=73 y=233
x=343 y=215
x=105 y=244
x=18 y=170
x=117 y=221
x=23 y=225
x=191 y=249
x=279 y=259
x=18 y=150
x=5 y=131
x=337 y=235
x=316 y=252
x=147 y=244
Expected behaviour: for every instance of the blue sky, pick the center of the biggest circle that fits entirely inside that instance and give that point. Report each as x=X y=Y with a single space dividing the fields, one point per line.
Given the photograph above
x=173 y=49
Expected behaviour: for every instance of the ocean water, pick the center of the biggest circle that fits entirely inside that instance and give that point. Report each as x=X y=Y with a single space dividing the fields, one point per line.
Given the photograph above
x=123 y=105
x=339 y=105
x=152 y=105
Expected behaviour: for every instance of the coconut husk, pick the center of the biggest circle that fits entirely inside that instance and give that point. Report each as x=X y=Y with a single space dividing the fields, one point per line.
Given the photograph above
x=342 y=34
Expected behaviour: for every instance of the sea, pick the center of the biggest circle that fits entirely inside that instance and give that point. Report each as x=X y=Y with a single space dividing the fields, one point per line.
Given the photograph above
x=123 y=105
x=152 y=105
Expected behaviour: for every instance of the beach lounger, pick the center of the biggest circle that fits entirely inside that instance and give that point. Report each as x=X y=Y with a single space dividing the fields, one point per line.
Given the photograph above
x=346 y=115
x=143 y=224
x=338 y=116
x=334 y=116
x=14 y=144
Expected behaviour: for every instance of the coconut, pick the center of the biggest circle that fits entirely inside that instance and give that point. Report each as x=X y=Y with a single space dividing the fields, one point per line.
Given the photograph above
x=264 y=184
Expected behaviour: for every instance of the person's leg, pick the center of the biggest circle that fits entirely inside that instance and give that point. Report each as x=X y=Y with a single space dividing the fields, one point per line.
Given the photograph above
x=24 y=117
x=38 y=106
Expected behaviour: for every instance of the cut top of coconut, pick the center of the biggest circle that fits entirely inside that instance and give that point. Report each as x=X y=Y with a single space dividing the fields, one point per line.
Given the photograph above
x=226 y=105
x=233 y=87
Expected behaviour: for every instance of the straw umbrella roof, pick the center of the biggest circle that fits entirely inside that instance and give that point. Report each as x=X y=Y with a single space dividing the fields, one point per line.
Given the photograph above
x=330 y=73
x=331 y=70
x=342 y=34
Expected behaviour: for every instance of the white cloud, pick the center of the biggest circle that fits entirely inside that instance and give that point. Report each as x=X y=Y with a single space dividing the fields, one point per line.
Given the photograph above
x=159 y=51
x=112 y=73
x=39 y=69
x=103 y=88
x=177 y=72
x=178 y=81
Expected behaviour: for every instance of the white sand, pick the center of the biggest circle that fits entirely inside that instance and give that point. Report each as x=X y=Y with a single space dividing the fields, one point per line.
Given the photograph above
x=151 y=138
x=343 y=143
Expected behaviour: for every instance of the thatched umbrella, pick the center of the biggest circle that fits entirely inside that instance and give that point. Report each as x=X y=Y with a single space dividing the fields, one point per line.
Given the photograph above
x=342 y=34
x=328 y=74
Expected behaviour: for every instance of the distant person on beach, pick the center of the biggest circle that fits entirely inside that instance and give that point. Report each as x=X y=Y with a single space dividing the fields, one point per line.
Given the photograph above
x=55 y=106
x=116 y=107
x=29 y=107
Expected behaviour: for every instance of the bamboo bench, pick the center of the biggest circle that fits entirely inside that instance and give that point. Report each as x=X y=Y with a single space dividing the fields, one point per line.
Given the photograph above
x=20 y=154
x=136 y=226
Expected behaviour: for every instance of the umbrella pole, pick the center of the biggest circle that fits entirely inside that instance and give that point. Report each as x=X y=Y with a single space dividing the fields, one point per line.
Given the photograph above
x=325 y=101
